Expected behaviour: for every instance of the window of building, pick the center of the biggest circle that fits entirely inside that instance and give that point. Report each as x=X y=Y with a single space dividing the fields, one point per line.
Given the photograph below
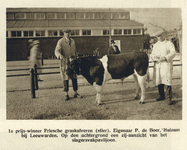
x=10 y=15
x=124 y=15
x=20 y=15
x=52 y=33
x=28 y=33
x=6 y=33
x=105 y=32
x=40 y=16
x=51 y=16
x=117 y=31
x=89 y=15
x=30 y=15
x=70 y=16
x=106 y=15
x=40 y=33
x=115 y=15
x=13 y=33
x=136 y=31
x=86 y=32
x=16 y=33
x=127 y=15
x=80 y=15
x=61 y=33
x=74 y=32
x=60 y=15
x=127 y=31
x=97 y=15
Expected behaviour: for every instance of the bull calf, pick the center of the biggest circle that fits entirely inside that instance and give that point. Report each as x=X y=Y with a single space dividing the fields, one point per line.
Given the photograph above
x=99 y=70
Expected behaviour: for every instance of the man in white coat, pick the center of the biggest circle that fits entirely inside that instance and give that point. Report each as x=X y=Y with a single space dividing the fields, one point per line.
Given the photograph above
x=162 y=55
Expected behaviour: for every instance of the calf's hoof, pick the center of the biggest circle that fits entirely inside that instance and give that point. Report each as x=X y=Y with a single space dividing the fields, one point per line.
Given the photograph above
x=98 y=103
x=136 y=97
x=142 y=102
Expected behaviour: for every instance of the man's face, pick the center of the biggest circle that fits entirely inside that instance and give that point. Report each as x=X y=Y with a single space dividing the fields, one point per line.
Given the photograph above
x=67 y=34
x=161 y=37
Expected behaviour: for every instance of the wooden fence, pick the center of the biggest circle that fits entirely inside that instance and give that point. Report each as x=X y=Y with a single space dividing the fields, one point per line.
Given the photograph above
x=33 y=75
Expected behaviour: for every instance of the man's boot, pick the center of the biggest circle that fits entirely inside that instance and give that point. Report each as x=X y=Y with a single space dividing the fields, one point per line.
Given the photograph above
x=169 y=95
x=75 y=88
x=75 y=85
x=66 y=89
x=161 y=92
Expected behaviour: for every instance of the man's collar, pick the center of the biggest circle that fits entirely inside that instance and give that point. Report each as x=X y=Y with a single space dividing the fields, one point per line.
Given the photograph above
x=66 y=38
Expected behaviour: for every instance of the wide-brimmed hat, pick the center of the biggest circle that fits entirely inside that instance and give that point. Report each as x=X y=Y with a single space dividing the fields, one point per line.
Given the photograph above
x=66 y=30
x=36 y=42
x=112 y=41
x=30 y=40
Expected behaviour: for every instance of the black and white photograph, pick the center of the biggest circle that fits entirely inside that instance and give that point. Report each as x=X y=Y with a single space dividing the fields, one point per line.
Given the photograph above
x=60 y=62
x=84 y=76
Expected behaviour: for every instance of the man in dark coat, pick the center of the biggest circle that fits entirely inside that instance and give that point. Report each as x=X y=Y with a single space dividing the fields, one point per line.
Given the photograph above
x=113 y=49
x=146 y=40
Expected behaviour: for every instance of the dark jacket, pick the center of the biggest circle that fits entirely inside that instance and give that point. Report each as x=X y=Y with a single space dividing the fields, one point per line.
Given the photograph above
x=112 y=51
x=146 y=41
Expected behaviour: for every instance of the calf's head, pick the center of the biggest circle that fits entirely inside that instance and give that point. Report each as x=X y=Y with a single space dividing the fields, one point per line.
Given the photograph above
x=74 y=67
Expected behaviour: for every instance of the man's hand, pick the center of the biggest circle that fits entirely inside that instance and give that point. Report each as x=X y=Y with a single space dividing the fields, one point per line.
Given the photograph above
x=162 y=58
x=61 y=57
x=156 y=58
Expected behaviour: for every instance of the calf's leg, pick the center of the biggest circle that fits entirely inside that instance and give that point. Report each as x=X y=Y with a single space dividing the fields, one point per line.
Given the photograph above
x=141 y=81
x=98 y=95
x=137 y=86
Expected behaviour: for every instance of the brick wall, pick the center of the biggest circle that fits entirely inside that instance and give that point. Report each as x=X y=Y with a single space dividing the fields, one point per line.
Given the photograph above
x=17 y=47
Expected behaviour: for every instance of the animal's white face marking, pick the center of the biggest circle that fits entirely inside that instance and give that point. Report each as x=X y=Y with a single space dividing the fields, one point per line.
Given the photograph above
x=107 y=75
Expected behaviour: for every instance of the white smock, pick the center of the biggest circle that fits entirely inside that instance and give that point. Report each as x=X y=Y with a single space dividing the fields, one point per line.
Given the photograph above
x=163 y=70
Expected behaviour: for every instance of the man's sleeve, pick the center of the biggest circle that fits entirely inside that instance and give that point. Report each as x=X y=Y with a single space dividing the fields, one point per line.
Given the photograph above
x=117 y=48
x=172 y=53
x=75 y=49
x=153 y=55
x=58 y=50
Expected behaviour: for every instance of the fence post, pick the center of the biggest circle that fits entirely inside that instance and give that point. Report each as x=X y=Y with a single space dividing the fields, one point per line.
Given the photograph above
x=42 y=59
x=32 y=83
x=36 y=77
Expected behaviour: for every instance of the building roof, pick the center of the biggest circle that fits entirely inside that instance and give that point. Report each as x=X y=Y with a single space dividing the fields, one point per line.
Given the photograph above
x=16 y=10
x=71 y=23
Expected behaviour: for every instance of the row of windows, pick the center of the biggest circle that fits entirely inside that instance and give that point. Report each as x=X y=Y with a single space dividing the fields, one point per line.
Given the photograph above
x=52 y=33
x=69 y=15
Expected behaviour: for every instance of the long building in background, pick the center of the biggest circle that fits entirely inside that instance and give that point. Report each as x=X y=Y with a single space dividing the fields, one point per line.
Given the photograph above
x=90 y=28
